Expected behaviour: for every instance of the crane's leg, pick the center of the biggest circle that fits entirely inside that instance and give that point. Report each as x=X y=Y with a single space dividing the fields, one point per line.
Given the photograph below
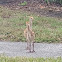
x=27 y=39
x=33 y=47
x=29 y=46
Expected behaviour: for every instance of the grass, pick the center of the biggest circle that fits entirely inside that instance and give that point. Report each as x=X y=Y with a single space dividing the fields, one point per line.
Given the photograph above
x=24 y=3
x=12 y=25
x=24 y=59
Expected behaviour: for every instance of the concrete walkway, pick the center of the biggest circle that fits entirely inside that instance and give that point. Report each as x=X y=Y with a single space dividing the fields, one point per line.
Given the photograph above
x=13 y=49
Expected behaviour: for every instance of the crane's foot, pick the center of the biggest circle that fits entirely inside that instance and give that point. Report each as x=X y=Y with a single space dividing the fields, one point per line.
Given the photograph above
x=33 y=51
x=30 y=51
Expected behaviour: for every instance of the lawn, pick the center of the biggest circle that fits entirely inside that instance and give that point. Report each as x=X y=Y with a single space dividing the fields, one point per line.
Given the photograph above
x=12 y=25
x=24 y=59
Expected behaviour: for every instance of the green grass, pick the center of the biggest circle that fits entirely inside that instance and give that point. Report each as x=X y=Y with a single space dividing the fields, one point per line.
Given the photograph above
x=24 y=3
x=24 y=59
x=12 y=25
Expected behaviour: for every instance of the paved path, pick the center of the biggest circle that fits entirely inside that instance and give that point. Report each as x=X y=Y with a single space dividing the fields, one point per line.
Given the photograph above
x=13 y=49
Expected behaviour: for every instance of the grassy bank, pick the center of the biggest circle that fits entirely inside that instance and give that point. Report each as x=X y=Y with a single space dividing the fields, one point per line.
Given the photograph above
x=12 y=25
x=20 y=59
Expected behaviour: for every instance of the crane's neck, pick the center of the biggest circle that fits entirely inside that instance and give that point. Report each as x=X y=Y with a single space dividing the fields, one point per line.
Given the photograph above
x=30 y=22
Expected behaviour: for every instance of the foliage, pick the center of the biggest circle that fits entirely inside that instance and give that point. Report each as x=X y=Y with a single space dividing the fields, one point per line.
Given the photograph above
x=24 y=59
x=54 y=1
x=24 y=3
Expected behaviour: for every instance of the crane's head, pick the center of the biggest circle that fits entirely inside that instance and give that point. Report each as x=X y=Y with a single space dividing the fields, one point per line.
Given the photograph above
x=27 y=23
x=31 y=18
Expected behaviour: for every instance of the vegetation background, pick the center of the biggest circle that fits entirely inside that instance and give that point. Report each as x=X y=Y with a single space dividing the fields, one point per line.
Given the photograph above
x=47 y=23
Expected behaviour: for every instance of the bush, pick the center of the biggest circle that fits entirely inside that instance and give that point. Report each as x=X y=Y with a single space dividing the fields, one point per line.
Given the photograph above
x=24 y=3
x=54 y=1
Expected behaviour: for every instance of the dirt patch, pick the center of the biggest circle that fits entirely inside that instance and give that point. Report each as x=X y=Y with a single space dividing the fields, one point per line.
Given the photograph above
x=36 y=7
